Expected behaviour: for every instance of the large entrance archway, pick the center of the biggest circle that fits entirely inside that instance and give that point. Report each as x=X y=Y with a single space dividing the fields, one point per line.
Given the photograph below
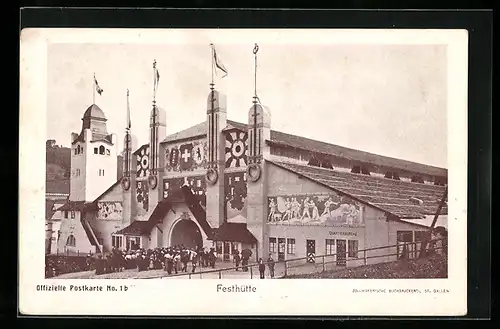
x=186 y=232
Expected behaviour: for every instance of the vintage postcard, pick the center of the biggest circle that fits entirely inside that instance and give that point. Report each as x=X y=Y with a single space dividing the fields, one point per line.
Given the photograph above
x=243 y=172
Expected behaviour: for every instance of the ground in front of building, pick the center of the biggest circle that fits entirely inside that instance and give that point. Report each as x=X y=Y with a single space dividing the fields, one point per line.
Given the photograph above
x=431 y=267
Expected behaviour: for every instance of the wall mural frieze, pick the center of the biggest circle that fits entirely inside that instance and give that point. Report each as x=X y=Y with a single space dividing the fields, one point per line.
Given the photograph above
x=328 y=209
x=109 y=210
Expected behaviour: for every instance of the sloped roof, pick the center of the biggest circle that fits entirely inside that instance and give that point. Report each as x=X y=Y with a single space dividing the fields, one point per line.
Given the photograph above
x=58 y=186
x=137 y=228
x=284 y=139
x=89 y=231
x=236 y=232
x=198 y=130
x=49 y=208
x=78 y=206
x=183 y=194
x=94 y=111
x=388 y=195
x=108 y=190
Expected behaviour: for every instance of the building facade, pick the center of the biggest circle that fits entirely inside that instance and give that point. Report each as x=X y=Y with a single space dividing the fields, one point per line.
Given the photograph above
x=232 y=185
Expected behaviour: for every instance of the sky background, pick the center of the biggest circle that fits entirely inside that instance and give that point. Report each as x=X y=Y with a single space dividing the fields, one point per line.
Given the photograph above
x=385 y=99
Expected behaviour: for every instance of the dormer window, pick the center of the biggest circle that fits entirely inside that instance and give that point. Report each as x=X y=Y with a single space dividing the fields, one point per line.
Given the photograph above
x=440 y=181
x=360 y=170
x=392 y=175
x=417 y=179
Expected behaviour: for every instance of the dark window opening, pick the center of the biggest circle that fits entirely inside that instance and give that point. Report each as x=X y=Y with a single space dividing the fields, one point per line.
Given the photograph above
x=441 y=181
x=360 y=170
x=66 y=214
x=326 y=164
x=95 y=150
x=75 y=151
x=352 y=248
x=314 y=162
x=101 y=149
x=417 y=179
x=392 y=175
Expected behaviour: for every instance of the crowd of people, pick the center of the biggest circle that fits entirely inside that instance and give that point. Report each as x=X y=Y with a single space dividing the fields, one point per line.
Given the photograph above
x=57 y=265
x=173 y=260
x=176 y=259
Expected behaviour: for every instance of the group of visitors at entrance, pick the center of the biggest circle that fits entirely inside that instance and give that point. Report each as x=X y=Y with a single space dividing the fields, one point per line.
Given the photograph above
x=172 y=259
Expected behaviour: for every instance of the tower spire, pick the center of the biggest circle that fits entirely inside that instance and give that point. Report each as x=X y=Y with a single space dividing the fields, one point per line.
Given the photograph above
x=129 y=122
x=255 y=50
x=156 y=79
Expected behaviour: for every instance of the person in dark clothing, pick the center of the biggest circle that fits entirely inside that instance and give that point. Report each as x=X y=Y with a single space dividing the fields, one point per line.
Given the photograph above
x=169 y=262
x=262 y=268
x=211 y=257
x=244 y=263
x=270 y=264
x=184 y=260
x=237 y=259
x=99 y=266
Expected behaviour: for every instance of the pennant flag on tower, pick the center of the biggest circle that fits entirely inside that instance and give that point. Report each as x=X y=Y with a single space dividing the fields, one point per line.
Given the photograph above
x=218 y=62
x=156 y=75
x=97 y=87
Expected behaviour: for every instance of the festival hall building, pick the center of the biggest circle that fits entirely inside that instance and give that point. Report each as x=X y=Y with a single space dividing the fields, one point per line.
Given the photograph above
x=231 y=185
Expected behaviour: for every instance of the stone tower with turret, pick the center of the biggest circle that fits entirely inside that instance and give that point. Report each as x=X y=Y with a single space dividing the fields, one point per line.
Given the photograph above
x=93 y=157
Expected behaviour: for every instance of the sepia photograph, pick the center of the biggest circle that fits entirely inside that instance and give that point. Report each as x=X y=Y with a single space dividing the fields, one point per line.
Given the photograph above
x=244 y=156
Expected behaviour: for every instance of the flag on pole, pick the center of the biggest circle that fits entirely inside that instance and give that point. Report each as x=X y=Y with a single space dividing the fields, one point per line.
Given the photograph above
x=97 y=88
x=218 y=62
x=156 y=75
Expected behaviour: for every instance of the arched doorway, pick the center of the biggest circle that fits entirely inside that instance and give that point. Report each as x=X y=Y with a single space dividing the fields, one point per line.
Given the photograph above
x=186 y=232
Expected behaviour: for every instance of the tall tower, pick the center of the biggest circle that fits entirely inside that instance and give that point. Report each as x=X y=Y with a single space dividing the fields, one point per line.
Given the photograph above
x=157 y=132
x=129 y=172
x=216 y=122
x=93 y=157
x=259 y=130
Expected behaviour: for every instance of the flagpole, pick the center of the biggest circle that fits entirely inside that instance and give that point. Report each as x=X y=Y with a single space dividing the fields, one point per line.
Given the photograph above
x=255 y=77
x=128 y=112
x=93 y=90
x=154 y=82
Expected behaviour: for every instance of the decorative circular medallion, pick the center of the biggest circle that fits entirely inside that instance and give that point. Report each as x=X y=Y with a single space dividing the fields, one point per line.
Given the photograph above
x=142 y=163
x=211 y=176
x=236 y=149
x=253 y=172
x=126 y=183
x=153 y=181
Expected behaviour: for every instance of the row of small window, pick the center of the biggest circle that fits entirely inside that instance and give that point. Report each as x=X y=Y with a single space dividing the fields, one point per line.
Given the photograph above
x=352 y=246
x=66 y=214
x=100 y=150
x=77 y=172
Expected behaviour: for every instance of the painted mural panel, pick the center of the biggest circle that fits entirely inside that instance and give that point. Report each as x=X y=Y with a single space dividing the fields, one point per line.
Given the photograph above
x=197 y=184
x=187 y=156
x=235 y=185
x=236 y=149
x=142 y=160
x=314 y=209
x=109 y=210
x=142 y=193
